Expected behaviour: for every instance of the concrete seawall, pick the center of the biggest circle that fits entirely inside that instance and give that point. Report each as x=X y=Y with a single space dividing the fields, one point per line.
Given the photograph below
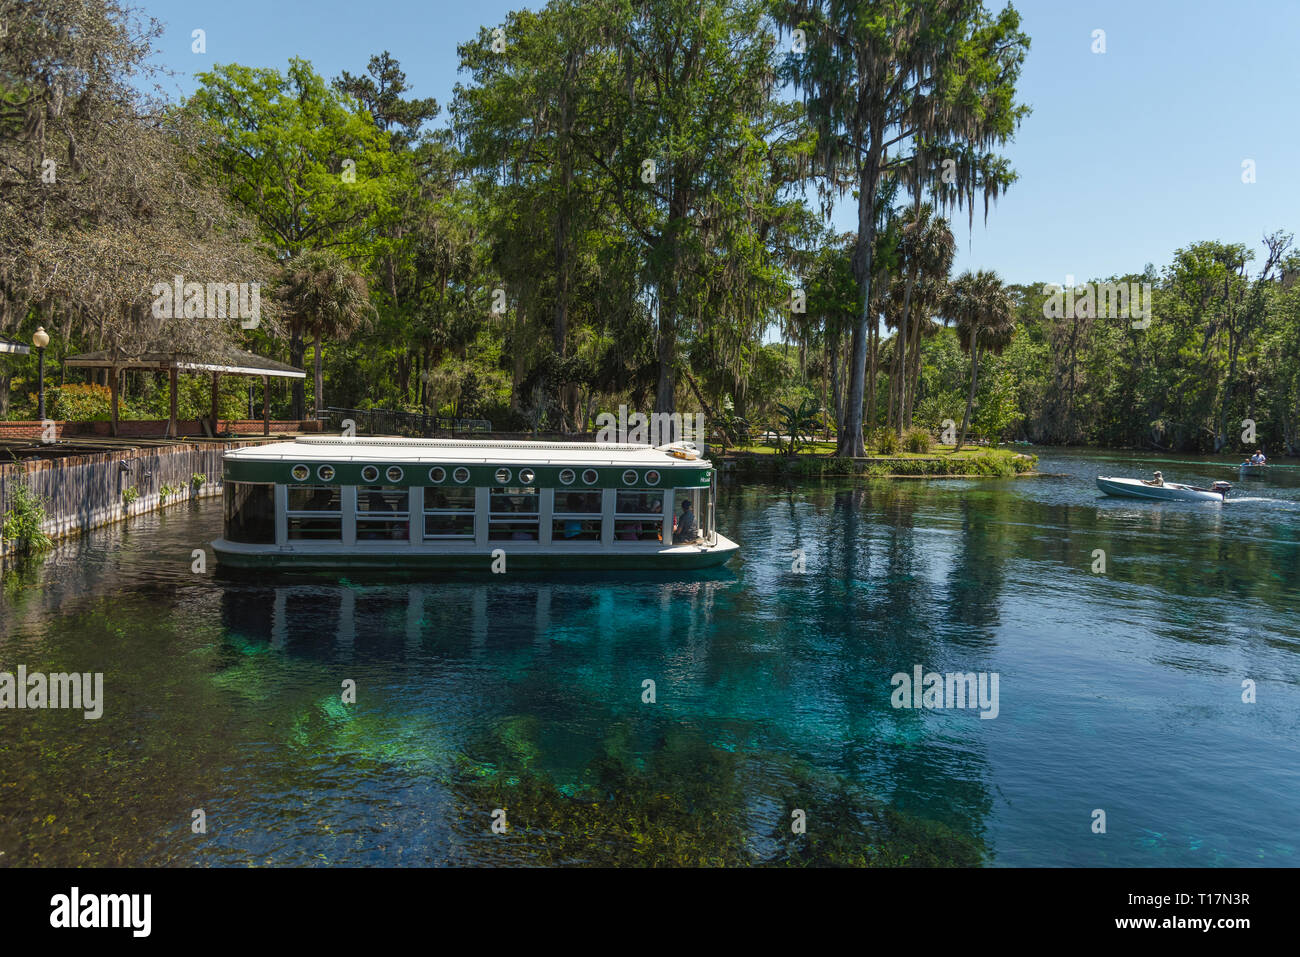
x=82 y=492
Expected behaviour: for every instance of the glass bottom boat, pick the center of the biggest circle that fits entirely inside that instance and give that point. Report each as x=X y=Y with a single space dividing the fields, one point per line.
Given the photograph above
x=333 y=503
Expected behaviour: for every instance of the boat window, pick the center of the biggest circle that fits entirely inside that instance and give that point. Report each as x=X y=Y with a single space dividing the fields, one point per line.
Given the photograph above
x=315 y=513
x=382 y=513
x=577 y=517
x=700 y=499
x=250 y=513
x=448 y=513
x=638 y=516
x=512 y=514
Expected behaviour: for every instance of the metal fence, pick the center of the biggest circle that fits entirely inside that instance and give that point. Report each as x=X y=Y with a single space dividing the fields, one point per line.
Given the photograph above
x=387 y=422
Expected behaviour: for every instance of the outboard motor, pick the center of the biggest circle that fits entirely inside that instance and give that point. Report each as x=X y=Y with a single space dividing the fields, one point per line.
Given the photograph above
x=1221 y=487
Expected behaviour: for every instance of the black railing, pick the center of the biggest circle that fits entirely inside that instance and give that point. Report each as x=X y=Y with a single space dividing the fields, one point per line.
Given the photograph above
x=387 y=422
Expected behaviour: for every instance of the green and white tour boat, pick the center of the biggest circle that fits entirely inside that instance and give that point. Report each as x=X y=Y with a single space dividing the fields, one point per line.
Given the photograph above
x=336 y=503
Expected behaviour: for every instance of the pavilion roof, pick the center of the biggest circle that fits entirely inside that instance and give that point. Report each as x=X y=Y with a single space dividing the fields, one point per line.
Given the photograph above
x=226 y=362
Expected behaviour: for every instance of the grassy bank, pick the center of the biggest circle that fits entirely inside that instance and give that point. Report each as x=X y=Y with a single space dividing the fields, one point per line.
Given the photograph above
x=941 y=462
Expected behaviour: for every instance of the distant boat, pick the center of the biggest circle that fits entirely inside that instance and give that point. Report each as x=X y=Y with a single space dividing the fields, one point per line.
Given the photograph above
x=1169 y=492
x=1253 y=471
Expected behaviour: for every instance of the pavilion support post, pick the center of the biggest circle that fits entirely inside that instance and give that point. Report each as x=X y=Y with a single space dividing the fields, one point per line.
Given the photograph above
x=172 y=428
x=266 y=405
x=114 y=376
x=215 y=427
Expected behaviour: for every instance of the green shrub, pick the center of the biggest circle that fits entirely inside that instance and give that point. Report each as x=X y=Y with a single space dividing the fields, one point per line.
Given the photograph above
x=918 y=440
x=166 y=492
x=23 y=521
x=885 y=441
x=129 y=495
x=197 y=480
x=80 y=403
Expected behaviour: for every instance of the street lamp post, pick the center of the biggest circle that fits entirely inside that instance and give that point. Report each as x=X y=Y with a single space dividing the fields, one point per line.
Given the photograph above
x=41 y=339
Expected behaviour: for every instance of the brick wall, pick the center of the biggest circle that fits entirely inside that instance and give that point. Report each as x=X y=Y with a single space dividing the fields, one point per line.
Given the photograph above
x=150 y=428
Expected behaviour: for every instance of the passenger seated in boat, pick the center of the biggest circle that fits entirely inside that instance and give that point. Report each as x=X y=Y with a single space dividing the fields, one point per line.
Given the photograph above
x=1159 y=480
x=686 y=529
x=1258 y=458
x=573 y=526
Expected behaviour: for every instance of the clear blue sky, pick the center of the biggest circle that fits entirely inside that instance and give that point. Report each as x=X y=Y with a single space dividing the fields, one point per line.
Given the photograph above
x=1127 y=156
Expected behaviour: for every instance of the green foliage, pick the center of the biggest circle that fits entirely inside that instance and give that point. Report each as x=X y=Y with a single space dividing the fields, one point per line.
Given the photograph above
x=166 y=492
x=917 y=440
x=198 y=479
x=74 y=402
x=798 y=423
x=885 y=441
x=129 y=495
x=23 y=520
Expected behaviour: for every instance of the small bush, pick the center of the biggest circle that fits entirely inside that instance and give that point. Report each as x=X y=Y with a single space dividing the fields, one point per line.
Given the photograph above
x=80 y=403
x=166 y=492
x=129 y=495
x=197 y=480
x=23 y=521
x=885 y=442
x=917 y=440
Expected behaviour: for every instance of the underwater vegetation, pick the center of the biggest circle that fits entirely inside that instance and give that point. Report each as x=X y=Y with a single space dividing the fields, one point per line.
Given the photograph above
x=688 y=804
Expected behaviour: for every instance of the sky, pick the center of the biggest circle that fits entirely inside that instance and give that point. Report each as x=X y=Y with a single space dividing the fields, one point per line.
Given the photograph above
x=1127 y=156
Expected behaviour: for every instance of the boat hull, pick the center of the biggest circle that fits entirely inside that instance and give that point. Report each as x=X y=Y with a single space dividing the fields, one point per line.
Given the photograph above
x=1254 y=471
x=1135 y=488
x=518 y=557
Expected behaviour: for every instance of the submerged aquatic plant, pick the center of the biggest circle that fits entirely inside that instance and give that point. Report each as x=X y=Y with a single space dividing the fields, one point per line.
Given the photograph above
x=692 y=804
x=23 y=521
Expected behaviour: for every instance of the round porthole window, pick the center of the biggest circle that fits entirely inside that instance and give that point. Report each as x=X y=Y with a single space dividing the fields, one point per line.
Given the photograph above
x=325 y=473
x=370 y=474
x=652 y=477
x=629 y=477
x=503 y=476
x=394 y=474
x=461 y=475
x=526 y=476
x=590 y=476
x=566 y=476
x=437 y=475
x=300 y=472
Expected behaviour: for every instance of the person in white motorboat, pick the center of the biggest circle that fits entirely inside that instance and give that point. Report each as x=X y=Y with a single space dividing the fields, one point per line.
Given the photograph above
x=1258 y=458
x=1158 y=481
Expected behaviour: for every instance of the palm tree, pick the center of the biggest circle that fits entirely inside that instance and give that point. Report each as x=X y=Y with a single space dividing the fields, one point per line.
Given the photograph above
x=928 y=249
x=985 y=316
x=324 y=297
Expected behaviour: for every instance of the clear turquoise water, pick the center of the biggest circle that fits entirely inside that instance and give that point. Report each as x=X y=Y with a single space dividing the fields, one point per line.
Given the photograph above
x=1119 y=691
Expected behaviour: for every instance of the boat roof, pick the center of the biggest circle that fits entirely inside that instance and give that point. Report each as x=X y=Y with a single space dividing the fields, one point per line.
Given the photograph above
x=335 y=448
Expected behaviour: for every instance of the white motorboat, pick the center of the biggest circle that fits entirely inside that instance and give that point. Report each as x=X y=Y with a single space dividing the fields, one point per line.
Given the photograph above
x=1168 y=492
x=1253 y=470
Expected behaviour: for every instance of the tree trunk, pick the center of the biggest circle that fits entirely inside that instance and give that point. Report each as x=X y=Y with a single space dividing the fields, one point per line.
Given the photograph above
x=666 y=383
x=296 y=352
x=970 y=398
x=902 y=345
x=914 y=376
x=851 y=443
x=319 y=381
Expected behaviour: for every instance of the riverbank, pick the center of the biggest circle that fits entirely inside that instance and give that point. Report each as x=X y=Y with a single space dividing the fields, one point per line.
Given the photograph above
x=943 y=462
